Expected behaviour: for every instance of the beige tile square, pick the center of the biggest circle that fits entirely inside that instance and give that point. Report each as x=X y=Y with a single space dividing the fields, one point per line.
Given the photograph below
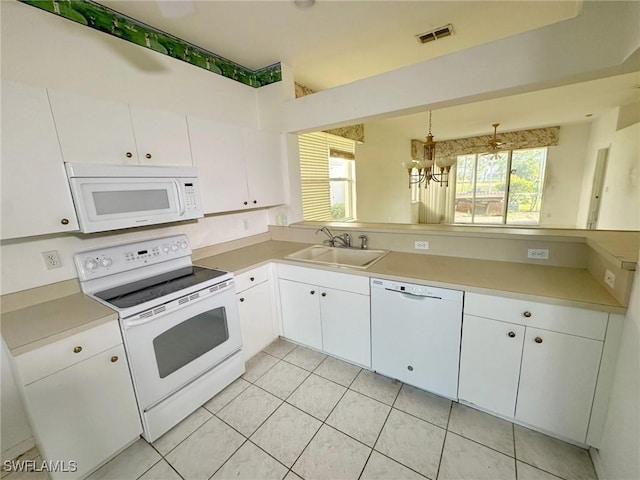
x=483 y=428
x=380 y=467
x=292 y=476
x=200 y=455
x=225 y=396
x=286 y=433
x=279 y=348
x=161 y=471
x=251 y=463
x=332 y=455
x=412 y=442
x=305 y=358
x=317 y=396
x=359 y=417
x=527 y=472
x=177 y=434
x=258 y=365
x=376 y=386
x=282 y=379
x=131 y=463
x=337 y=371
x=248 y=410
x=553 y=456
x=424 y=405
x=463 y=459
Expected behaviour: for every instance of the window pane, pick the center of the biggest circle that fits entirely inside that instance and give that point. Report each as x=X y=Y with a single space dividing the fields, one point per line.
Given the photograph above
x=338 y=168
x=525 y=190
x=339 y=198
x=465 y=175
x=491 y=179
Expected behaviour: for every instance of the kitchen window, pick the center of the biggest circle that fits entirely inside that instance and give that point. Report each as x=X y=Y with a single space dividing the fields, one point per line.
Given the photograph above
x=327 y=172
x=504 y=188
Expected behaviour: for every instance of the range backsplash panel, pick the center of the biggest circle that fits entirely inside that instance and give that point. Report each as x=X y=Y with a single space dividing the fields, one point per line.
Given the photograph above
x=108 y=21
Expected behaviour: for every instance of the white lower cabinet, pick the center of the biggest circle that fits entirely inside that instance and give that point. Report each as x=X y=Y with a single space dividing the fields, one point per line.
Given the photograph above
x=346 y=325
x=300 y=307
x=490 y=364
x=540 y=377
x=85 y=412
x=334 y=320
x=557 y=382
x=255 y=310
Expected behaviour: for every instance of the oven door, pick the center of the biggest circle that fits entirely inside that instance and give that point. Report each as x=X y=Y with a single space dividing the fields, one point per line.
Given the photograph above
x=169 y=350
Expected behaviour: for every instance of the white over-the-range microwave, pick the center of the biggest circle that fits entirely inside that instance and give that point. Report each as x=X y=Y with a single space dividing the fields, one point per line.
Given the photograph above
x=110 y=197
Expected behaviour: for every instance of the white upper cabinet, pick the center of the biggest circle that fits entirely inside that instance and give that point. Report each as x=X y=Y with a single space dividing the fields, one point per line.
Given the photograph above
x=264 y=167
x=161 y=137
x=103 y=131
x=218 y=154
x=93 y=130
x=36 y=199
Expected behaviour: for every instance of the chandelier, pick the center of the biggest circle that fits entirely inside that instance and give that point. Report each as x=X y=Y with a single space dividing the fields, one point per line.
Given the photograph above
x=426 y=168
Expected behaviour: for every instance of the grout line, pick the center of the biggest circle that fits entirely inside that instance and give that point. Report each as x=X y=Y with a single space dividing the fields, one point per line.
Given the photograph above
x=515 y=454
x=444 y=441
x=229 y=458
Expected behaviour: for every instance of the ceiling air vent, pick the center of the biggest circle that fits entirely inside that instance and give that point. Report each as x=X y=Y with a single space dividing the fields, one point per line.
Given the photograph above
x=436 y=34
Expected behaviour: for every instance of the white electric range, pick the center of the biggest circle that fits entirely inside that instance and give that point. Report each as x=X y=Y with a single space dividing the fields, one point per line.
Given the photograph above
x=179 y=324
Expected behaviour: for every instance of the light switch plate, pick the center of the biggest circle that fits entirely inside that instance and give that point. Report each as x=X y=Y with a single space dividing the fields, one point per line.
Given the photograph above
x=609 y=278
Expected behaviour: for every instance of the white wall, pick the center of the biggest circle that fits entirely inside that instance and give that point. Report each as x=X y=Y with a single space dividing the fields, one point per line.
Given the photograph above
x=620 y=204
x=563 y=178
x=43 y=49
x=381 y=181
x=620 y=446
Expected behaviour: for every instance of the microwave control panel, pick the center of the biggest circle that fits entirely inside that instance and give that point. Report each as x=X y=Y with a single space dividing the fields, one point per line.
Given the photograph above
x=191 y=197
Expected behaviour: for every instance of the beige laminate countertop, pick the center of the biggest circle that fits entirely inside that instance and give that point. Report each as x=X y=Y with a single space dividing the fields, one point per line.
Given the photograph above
x=560 y=285
x=47 y=322
x=31 y=327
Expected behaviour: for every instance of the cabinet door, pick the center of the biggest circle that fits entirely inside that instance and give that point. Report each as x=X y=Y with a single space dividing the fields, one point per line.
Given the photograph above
x=301 y=313
x=557 y=382
x=346 y=326
x=86 y=412
x=93 y=130
x=35 y=193
x=256 y=323
x=264 y=168
x=161 y=137
x=218 y=153
x=490 y=364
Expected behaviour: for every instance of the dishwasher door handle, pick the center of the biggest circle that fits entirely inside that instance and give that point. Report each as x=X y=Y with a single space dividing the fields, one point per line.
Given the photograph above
x=413 y=295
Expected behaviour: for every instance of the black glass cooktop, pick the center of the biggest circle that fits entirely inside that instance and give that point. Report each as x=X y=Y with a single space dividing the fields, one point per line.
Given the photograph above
x=142 y=291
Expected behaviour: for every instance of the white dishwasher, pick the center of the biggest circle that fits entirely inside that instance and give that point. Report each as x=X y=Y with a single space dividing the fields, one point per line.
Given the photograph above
x=415 y=334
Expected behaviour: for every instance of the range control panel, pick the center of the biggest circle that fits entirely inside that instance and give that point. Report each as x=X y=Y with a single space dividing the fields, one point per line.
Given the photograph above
x=121 y=258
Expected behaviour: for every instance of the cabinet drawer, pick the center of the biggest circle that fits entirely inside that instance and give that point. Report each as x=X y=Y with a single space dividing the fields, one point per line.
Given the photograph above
x=323 y=278
x=49 y=359
x=571 y=320
x=252 y=277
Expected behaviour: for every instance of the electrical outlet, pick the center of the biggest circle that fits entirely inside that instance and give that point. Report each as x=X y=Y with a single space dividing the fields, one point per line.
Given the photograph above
x=609 y=278
x=421 y=245
x=51 y=259
x=538 y=253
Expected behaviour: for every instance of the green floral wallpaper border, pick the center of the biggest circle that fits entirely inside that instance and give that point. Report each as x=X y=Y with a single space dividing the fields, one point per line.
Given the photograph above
x=104 y=19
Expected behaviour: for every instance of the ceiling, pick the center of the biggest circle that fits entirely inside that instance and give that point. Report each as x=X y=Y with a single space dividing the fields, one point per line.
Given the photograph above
x=336 y=42
x=543 y=108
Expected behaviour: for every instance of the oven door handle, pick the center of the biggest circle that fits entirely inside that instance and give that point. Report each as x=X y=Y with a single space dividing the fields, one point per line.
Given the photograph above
x=136 y=323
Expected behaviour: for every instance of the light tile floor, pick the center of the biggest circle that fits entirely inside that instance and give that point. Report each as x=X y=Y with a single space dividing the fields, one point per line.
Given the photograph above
x=298 y=414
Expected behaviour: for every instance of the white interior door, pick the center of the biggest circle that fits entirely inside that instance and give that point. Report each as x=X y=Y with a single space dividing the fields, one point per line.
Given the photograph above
x=596 y=188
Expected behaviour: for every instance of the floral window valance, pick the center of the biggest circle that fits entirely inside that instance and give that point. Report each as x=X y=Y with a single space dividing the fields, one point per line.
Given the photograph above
x=352 y=132
x=533 y=138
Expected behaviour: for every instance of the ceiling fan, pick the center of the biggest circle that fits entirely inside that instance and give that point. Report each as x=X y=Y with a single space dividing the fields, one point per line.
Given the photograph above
x=494 y=144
